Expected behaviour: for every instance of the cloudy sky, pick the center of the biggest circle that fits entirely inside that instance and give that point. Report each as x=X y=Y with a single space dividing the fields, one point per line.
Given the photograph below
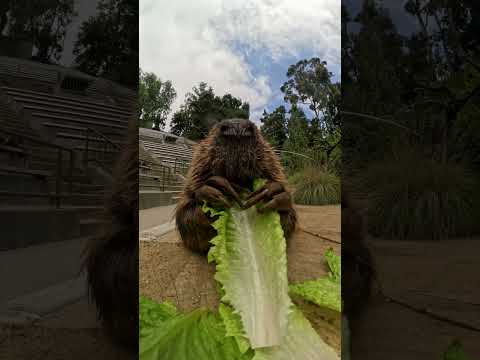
x=243 y=47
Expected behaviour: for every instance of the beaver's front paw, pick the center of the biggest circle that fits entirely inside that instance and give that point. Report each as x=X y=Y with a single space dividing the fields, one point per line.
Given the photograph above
x=218 y=192
x=273 y=195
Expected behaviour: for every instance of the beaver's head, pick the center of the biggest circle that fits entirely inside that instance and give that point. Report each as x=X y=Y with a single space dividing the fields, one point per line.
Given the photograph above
x=237 y=146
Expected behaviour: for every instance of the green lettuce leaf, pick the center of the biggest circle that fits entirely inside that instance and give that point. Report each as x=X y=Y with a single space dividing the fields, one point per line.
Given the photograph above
x=455 y=352
x=153 y=314
x=251 y=265
x=233 y=327
x=167 y=334
x=334 y=264
x=322 y=292
x=325 y=292
x=301 y=343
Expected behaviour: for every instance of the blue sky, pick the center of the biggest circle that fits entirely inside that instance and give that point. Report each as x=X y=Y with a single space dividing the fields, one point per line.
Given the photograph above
x=243 y=47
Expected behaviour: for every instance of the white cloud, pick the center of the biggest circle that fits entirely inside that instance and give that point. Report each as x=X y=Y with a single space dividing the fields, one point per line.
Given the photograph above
x=191 y=41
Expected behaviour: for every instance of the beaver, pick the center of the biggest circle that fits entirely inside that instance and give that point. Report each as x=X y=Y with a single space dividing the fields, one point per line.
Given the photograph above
x=111 y=258
x=358 y=271
x=224 y=164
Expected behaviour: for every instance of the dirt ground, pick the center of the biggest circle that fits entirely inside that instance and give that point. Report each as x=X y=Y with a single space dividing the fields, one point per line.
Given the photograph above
x=442 y=278
x=70 y=333
x=39 y=343
x=168 y=271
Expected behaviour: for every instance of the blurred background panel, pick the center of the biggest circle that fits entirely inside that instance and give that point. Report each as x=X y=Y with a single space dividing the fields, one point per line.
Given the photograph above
x=411 y=169
x=68 y=94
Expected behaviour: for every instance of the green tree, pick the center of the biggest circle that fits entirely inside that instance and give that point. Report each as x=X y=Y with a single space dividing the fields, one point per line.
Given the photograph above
x=155 y=98
x=43 y=21
x=298 y=139
x=203 y=109
x=310 y=84
x=274 y=126
x=107 y=44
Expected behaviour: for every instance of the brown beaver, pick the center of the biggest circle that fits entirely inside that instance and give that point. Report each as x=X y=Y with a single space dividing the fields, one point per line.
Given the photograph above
x=358 y=272
x=232 y=156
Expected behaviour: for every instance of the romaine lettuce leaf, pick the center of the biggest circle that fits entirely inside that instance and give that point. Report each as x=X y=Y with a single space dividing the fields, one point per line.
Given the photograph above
x=322 y=292
x=200 y=334
x=251 y=265
x=325 y=291
x=455 y=352
x=301 y=343
x=233 y=327
x=334 y=264
x=153 y=314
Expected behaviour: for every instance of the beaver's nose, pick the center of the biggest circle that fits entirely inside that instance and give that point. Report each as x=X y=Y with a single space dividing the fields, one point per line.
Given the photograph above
x=237 y=128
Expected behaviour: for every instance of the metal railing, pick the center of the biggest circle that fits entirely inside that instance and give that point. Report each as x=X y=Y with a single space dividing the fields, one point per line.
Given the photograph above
x=166 y=176
x=180 y=166
x=102 y=155
x=59 y=169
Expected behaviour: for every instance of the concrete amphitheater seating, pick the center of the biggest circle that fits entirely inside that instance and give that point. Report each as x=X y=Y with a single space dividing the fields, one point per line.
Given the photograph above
x=164 y=161
x=41 y=116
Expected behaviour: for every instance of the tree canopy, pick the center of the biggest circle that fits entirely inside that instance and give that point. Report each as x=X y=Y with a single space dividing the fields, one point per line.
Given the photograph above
x=203 y=109
x=312 y=125
x=43 y=21
x=155 y=100
x=107 y=43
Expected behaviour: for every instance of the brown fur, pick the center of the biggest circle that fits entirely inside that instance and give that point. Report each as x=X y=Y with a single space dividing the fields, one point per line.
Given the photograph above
x=112 y=258
x=357 y=263
x=240 y=163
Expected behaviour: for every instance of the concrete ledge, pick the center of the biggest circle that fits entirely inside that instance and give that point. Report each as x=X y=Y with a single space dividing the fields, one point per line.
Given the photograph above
x=22 y=227
x=153 y=198
x=155 y=233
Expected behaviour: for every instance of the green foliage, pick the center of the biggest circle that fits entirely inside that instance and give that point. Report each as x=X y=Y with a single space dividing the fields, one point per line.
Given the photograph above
x=309 y=84
x=455 y=352
x=325 y=291
x=316 y=186
x=245 y=237
x=250 y=255
x=166 y=333
x=274 y=127
x=203 y=109
x=420 y=90
x=411 y=196
x=155 y=98
x=44 y=22
x=107 y=43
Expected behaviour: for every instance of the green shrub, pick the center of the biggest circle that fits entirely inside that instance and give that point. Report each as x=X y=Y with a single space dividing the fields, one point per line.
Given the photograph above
x=315 y=186
x=412 y=197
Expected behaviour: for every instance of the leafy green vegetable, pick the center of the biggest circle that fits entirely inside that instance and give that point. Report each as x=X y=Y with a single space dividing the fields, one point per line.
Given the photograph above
x=301 y=343
x=201 y=334
x=455 y=352
x=334 y=263
x=153 y=314
x=233 y=327
x=250 y=253
x=256 y=318
x=324 y=291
